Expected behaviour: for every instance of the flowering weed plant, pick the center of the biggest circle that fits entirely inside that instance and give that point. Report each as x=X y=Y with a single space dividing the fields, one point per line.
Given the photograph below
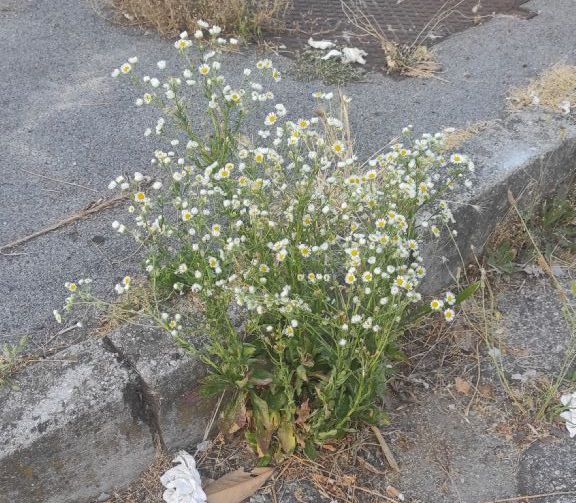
x=320 y=252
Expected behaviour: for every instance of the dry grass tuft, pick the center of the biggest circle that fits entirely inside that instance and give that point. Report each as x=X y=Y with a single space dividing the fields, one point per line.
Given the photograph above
x=413 y=60
x=139 y=299
x=147 y=488
x=553 y=87
x=243 y=18
x=459 y=136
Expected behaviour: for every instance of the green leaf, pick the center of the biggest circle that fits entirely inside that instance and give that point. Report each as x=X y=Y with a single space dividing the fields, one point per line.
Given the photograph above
x=467 y=292
x=393 y=352
x=250 y=437
x=261 y=377
x=248 y=350
x=301 y=373
x=264 y=460
x=325 y=435
x=310 y=450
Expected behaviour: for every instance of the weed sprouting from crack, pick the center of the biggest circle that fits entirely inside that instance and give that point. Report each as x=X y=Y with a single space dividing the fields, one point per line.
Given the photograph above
x=11 y=359
x=244 y=18
x=309 y=66
x=553 y=90
x=413 y=60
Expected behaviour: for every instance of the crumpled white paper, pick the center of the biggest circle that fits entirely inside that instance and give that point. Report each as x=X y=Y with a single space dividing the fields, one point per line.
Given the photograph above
x=353 y=55
x=347 y=55
x=569 y=401
x=320 y=44
x=182 y=482
x=334 y=53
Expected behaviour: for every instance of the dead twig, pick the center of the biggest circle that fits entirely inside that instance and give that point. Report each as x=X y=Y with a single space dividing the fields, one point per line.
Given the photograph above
x=374 y=493
x=93 y=207
x=58 y=180
x=213 y=418
x=385 y=449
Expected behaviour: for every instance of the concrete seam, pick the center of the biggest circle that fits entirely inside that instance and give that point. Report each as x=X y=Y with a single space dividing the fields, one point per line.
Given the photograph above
x=143 y=400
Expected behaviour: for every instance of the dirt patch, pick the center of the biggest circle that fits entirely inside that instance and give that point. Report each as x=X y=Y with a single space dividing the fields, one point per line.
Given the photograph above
x=553 y=90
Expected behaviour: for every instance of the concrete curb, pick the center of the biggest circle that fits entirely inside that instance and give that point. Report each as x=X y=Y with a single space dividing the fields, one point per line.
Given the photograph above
x=530 y=154
x=90 y=418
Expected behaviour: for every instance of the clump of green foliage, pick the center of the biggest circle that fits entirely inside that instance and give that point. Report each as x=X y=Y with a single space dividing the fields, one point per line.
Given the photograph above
x=320 y=252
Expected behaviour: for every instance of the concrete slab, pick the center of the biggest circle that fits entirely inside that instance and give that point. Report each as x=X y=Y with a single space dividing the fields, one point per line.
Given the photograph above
x=89 y=419
x=449 y=457
x=549 y=467
x=529 y=155
x=72 y=427
x=534 y=332
x=173 y=378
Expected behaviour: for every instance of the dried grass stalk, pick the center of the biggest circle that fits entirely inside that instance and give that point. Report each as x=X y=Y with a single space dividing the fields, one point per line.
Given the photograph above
x=240 y=17
x=553 y=87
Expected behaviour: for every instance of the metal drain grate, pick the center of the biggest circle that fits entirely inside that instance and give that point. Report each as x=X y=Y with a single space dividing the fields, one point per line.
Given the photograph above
x=403 y=21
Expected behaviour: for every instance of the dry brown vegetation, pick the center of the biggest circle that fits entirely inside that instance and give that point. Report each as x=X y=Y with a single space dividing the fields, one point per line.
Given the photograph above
x=413 y=60
x=456 y=138
x=243 y=18
x=147 y=488
x=549 y=90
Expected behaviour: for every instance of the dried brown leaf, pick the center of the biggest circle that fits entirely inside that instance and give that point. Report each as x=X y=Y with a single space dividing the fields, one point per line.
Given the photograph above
x=394 y=493
x=462 y=386
x=302 y=413
x=486 y=390
x=238 y=485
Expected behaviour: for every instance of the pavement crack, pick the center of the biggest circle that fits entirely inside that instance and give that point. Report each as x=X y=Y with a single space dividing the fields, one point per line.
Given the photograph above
x=143 y=400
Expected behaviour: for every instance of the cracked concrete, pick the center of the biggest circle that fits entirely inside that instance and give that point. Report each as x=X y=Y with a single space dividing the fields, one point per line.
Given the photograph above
x=91 y=417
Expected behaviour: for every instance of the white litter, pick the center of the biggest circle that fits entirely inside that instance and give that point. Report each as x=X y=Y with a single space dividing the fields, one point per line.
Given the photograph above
x=494 y=352
x=569 y=401
x=320 y=44
x=565 y=107
x=353 y=55
x=182 y=482
x=332 y=54
x=347 y=55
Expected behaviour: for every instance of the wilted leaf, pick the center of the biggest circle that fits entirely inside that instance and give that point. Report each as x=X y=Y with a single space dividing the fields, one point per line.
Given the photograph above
x=287 y=437
x=462 y=386
x=263 y=424
x=236 y=486
x=239 y=419
x=303 y=413
x=486 y=390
